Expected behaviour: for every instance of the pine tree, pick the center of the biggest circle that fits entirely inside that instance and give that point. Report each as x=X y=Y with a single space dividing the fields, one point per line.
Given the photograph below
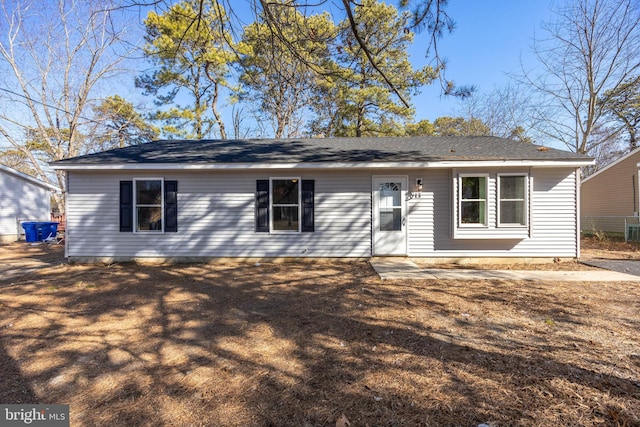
x=190 y=50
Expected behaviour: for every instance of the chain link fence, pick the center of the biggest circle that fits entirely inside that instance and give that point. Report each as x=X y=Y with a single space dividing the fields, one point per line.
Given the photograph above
x=612 y=226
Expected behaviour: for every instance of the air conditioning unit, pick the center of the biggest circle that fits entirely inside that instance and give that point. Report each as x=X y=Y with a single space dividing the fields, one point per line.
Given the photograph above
x=633 y=233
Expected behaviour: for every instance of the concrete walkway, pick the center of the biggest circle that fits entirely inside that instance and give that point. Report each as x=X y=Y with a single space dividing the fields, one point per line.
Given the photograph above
x=403 y=268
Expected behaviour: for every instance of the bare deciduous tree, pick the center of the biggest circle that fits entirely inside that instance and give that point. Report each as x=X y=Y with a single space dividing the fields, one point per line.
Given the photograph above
x=593 y=46
x=53 y=56
x=505 y=110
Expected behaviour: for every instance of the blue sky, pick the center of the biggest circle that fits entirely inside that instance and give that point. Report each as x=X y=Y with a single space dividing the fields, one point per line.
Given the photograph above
x=490 y=39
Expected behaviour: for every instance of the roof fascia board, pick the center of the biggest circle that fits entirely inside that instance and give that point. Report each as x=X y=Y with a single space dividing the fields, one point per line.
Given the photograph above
x=328 y=165
x=29 y=178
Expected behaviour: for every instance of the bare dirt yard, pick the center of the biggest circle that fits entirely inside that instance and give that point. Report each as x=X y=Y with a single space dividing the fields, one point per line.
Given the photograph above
x=317 y=343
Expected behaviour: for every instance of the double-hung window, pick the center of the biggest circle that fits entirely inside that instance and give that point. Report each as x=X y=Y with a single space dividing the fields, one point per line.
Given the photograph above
x=148 y=202
x=512 y=200
x=472 y=190
x=491 y=205
x=149 y=205
x=285 y=204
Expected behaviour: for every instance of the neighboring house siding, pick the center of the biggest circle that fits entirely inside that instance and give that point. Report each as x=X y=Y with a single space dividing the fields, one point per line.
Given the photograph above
x=216 y=217
x=612 y=192
x=21 y=200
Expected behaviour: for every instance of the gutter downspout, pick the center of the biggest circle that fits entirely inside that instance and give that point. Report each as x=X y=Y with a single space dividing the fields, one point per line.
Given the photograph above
x=635 y=193
x=66 y=228
x=578 y=204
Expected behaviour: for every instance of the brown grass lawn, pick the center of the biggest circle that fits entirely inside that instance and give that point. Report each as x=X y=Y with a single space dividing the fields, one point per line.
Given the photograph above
x=312 y=344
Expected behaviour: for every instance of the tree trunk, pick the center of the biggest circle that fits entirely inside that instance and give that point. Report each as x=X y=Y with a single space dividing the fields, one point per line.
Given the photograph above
x=216 y=113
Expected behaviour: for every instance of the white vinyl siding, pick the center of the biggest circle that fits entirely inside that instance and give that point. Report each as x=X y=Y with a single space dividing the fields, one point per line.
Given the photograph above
x=21 y=200
x=552 y=219
x=424 y=206
x=216 y=214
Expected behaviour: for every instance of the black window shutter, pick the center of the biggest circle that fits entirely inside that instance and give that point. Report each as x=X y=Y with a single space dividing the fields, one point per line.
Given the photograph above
x=171 y=206
x=126 y=205
x=308 y=186
x=262 y=206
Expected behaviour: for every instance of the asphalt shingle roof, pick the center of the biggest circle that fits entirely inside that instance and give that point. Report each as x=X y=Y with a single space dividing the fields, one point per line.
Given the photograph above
x=312 y=150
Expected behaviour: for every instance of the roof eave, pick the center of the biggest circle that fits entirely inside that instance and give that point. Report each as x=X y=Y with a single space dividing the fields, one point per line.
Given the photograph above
x=30 y=179
x=446 y=164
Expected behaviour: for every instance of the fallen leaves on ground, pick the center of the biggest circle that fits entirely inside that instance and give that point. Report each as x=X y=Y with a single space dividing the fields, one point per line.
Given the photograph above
x=312 y=343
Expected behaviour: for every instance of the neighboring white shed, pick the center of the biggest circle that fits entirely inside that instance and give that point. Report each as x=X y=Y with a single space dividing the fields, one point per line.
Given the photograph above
x=24 y=198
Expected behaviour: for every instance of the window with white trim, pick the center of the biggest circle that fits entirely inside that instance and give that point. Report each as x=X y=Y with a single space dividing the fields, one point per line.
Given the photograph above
x=472 y=200
x=512 y=200
x=285 y=204
x=148 y=204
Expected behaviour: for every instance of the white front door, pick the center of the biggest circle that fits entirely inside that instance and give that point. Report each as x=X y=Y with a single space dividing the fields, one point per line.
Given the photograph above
x=389 y=215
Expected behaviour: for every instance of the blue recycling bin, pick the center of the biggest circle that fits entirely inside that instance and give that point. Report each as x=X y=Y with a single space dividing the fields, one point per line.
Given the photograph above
x=30 y=231
x=39 y=231
x=47 y=230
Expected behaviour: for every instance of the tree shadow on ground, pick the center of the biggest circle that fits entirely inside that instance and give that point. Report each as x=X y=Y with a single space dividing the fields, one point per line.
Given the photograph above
x=303 y=343
x=15 y=387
